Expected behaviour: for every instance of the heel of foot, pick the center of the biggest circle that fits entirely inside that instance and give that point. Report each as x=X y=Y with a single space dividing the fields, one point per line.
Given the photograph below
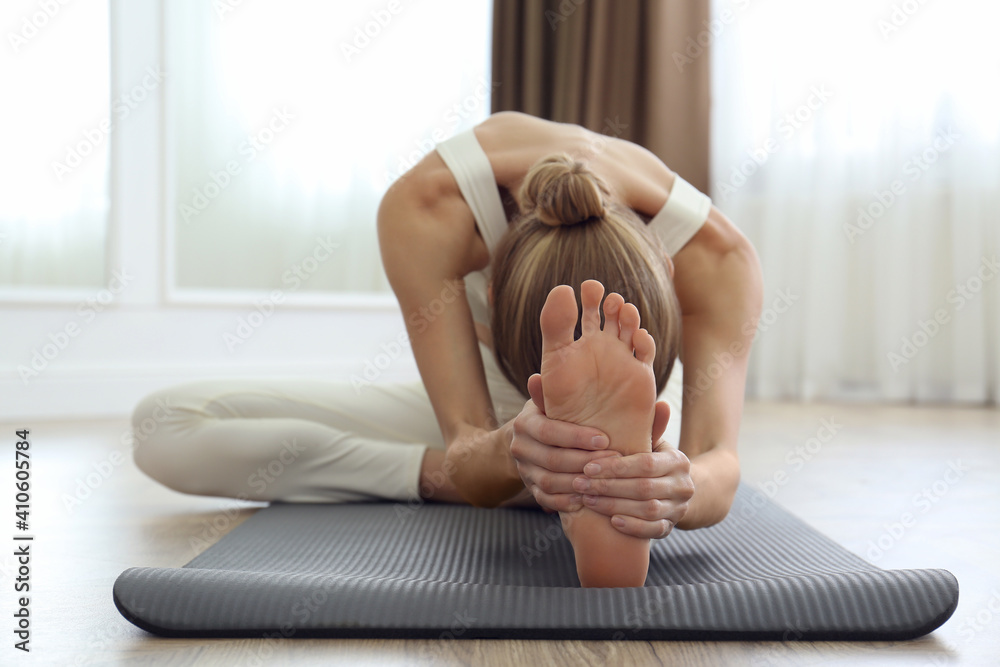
x=605 y=558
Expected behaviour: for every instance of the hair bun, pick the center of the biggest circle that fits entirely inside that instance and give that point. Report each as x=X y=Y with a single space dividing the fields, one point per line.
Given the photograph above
x=558 y=190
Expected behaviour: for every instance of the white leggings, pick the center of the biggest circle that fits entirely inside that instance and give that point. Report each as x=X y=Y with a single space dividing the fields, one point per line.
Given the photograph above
x=305 y=440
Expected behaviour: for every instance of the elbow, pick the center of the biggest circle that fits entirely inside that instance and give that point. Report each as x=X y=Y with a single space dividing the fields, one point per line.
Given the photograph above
x=726 y=497
x=717 y=499
x=753 y=275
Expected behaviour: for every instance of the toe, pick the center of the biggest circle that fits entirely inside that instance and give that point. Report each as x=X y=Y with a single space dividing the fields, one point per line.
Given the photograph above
x=644 y=345
x=558 y=318
x=591 y=292
x=628 y=320
x=612 y=307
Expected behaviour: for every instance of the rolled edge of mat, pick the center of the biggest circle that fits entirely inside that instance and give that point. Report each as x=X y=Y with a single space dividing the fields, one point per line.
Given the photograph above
x=880 y=605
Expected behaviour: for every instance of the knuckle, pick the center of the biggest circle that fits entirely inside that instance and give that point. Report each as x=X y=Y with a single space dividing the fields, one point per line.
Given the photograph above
x=651 y=509
x=551 y=459
x=543 y=432
x=517 y=448
x=544 y=481
x=520 y=424
x=645 y=487
x=647 y=463
x=614 y=467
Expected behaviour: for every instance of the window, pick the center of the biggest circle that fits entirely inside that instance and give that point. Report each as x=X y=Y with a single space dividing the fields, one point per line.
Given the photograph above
x=58 y=121
x=287 y=121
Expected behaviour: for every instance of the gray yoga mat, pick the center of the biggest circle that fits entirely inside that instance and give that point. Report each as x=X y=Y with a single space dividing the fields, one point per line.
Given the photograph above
x=445 y=571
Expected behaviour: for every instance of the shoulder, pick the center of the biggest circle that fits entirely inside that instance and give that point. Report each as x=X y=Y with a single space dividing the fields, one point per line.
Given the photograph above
x=513 y=120
x=425 y=183
x=423 y=214
x=639 y=178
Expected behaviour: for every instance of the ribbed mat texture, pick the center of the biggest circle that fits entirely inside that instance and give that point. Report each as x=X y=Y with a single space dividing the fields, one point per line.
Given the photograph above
x=447 y=571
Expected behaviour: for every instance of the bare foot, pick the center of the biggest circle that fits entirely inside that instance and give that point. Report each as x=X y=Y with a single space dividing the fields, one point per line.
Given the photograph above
x=596 y=381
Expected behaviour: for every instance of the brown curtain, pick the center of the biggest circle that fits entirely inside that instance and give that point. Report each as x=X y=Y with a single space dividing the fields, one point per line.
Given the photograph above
x=636 y=69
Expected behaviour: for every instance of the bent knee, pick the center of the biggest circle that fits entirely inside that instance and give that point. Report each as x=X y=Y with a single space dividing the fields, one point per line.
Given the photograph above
x=155 y=441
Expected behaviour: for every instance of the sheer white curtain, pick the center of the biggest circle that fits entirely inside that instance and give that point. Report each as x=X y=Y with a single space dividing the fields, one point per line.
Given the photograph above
x=857 y=144
x=56 y=121
x=287 y=120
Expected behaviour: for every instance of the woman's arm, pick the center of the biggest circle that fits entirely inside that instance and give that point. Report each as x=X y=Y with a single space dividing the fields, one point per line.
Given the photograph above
x=719 y=285
x=428 y=243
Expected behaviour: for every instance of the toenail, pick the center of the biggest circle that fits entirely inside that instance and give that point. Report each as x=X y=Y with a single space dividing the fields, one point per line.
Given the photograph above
x=592 y=468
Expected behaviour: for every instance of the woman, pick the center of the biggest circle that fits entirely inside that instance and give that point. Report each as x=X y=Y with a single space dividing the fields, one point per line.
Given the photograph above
x=465 y=433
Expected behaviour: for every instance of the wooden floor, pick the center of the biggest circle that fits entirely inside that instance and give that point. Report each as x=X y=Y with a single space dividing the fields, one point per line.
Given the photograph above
x=853 y=487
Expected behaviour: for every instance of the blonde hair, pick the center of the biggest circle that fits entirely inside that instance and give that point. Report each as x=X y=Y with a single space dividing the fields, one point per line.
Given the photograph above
x=571 y=231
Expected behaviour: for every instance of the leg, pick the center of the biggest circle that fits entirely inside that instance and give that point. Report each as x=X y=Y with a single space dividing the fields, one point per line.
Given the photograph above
x=596 y=381
x=297 y=440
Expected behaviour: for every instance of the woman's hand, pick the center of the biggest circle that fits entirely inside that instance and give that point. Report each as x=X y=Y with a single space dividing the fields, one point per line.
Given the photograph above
x=566 y=467
x=644 y=494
